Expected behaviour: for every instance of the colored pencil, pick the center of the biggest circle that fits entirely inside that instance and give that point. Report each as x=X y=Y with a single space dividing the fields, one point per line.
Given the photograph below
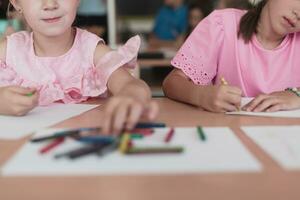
x=52 y=145
x=125 y=140
x=169 y=135
x=56 y=136
x=143 y=131
x=155 y=150
x=201 y=133
x=96 y=139
x=150 y=125
x=136 y=136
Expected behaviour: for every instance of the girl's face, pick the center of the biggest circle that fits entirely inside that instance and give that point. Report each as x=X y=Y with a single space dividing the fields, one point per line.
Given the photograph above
x=284 y=16
x=195 y=16
x=48 y=17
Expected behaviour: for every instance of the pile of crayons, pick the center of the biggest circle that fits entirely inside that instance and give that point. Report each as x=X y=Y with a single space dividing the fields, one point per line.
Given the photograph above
x=95 y=143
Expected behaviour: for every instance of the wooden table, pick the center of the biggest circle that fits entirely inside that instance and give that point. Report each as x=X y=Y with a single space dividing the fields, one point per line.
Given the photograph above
x=272 y=184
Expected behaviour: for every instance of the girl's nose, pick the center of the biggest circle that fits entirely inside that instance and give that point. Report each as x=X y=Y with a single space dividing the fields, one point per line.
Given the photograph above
x=50 y=5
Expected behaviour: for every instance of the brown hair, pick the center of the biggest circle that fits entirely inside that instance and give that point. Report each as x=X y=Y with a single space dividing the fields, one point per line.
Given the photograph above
x=249 y=22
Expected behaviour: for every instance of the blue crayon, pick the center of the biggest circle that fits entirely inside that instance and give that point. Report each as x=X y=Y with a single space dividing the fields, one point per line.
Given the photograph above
x=96 y=139
x=150 y=125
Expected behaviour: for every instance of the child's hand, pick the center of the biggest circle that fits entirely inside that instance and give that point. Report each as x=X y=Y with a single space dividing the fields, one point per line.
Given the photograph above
x=17 y=101
x=221 y=98
x=273 y=102
x=123 y=113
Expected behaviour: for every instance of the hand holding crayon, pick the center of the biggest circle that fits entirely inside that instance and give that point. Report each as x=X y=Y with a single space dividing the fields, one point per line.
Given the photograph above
x=24 y=100
x=224 y=82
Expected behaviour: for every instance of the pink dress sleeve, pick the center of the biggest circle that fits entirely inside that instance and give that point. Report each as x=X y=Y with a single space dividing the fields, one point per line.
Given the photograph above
x=8 y=76
x=95 y=80
x=198 y=57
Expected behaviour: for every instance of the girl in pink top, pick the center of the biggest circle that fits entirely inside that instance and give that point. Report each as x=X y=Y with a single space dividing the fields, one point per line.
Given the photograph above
x=59 y=63
x=257 y=52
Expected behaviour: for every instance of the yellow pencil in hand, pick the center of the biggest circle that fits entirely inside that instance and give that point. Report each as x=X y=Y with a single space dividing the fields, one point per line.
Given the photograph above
x=224 y=82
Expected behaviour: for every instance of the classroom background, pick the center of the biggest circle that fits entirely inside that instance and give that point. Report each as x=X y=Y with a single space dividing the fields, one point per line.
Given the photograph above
x=232 y=156
x=162 y=24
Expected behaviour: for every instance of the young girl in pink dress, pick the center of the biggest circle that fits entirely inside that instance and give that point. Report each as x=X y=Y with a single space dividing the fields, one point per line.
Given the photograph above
x=59 y=63
x=255 y=51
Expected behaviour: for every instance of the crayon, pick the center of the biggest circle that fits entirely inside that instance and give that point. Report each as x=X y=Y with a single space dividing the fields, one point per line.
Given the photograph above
x=52 y=145
x=30 y=94
x=96 y=139
x=150 y=125
x=155 y=150
x=169 y=135
x=201 y=133
x=136 y=136
x=82 y=151
x=56 y=136
x=143 y=131
x=125 y=140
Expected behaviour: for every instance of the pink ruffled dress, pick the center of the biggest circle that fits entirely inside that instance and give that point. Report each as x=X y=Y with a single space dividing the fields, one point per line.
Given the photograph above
x=70 y=78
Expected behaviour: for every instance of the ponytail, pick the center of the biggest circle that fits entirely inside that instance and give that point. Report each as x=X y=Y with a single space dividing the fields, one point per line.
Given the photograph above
x=249 y=22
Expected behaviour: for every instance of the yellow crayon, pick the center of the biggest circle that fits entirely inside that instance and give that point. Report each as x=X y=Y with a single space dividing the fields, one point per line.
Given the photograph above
x=124 y=145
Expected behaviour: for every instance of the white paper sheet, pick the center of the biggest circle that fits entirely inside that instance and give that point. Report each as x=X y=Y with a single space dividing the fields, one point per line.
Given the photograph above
x=282 y=143
x=284 y=114
x=222 y=152
x=40 y=117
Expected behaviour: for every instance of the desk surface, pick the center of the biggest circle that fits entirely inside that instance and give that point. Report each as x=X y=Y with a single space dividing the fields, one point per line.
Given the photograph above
x=272 y=184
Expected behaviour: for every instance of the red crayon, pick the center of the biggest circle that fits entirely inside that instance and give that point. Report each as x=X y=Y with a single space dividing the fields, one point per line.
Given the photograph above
x=169 y=135
x=52 y=145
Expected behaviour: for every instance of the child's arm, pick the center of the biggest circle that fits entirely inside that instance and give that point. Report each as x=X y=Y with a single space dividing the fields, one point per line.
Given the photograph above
x=131 y=99
x=218 y=98
x=15 y=100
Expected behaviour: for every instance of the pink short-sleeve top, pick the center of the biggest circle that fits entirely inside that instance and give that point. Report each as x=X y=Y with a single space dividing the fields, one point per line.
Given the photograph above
x=214 y=50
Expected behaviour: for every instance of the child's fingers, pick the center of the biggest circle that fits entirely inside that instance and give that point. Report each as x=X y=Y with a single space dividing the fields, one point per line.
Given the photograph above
x=254 y=103
x=265 y=104
x=277 y=107
x=234 y=90
x=26 y=101
x=119 y=118
x=135 y=113
x=108 y=116
x=227 y=107
x=20 y=110
x=22 y=90
x=233 y=99
x=33 y=100
x=153 y=110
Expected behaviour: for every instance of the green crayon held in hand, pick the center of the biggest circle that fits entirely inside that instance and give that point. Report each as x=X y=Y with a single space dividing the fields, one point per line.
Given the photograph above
x=29 y=94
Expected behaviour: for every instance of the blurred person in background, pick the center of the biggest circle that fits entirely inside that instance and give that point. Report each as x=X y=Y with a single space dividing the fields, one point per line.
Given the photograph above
x=198 y=10
x=239 y=4
x=170 y=26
